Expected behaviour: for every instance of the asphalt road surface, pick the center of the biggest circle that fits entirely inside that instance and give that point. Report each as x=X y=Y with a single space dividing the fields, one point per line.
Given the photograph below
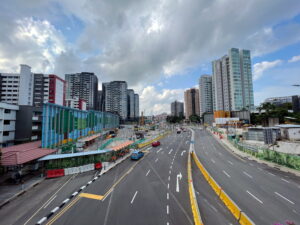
x=265 y=194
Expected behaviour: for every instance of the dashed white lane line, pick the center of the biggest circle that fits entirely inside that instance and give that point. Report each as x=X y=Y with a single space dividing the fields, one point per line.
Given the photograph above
x=284 y=198
x=170 y=171
x=42 y=220
x=168 y=209
x=271 y=174
x=168 y=196
x=133 y=197
x=285 y=180
x=169 y=178
x=230 y=162
x=159 y=150
x=147 y=172
x=170 y=151
x=253 y=196
x=156 y=160
x=171 y=167
x=168 y=185
x=226 y=174
x=247 y=174
x=213 y=160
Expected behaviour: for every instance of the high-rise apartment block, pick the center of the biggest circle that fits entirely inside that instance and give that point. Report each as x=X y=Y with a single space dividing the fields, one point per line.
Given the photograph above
x=82 y=86
x=177 y=109
x=232 y=81
x=130 y=104
x=7 y=124
x=115 y=98
x=205 y=91
x=191 y=102
x=27 y=88
x=136 y=106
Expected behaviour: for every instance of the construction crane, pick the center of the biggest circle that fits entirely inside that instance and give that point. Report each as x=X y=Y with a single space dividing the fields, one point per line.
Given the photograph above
x=296 y=85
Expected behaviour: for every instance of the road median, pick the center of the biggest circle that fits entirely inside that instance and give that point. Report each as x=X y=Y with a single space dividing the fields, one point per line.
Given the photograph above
x=241 y=217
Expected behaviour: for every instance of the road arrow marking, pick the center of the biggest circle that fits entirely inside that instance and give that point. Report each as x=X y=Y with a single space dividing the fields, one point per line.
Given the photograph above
x=177 y=181
x=183 y=152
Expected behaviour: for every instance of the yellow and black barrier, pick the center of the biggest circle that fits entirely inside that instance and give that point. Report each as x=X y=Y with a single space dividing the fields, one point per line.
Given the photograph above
x=193 y=200
x=230 y=204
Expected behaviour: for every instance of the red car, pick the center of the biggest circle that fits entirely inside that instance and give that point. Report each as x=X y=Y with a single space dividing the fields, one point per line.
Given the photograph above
x=155 y=143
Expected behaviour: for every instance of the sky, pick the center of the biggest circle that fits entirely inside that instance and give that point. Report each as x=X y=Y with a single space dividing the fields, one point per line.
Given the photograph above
x=160 y=47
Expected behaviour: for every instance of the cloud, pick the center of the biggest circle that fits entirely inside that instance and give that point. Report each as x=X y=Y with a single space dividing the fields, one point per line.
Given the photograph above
x=295 y=58
x=29 y=41
x=155 y=102
x=260 y=68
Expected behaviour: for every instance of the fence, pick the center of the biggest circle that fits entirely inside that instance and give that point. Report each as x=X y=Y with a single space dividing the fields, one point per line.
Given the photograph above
x=288 y=160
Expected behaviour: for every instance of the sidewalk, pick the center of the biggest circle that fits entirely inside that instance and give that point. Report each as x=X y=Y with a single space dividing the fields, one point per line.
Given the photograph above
x=8 y=192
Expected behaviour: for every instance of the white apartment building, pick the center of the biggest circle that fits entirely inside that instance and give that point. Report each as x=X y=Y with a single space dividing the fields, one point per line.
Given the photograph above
x=7 y=124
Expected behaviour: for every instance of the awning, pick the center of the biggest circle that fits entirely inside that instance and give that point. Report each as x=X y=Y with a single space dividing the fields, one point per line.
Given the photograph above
x=23 y=153
x=121 y=146
x=89 y=138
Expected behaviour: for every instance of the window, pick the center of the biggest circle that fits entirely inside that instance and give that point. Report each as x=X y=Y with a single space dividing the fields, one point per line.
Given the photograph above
x=6 y=122
x=6 y=110
x=5 y=133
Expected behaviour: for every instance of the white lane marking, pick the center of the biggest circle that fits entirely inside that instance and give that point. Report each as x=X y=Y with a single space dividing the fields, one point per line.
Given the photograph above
x=230 y=162
x=169 y=178
x=168 y=209
x=182 y=152
x=156 y=160
x=285 y=180
x=271 y=174
x=179 y=176
x=247 y=174
x=284 y=198
x=171 y=167
x=90 y=182
x=159 y=150
x=220 y=153
x=133 y=197
x=168 y=223
x=107 y=195
x=169 y=171
x=75 y=193
x=213 y=160
x=253 y=196
x=226 y=174
x=55 y=209
x=83 y=187
x=66 y=200
x=50 y=201
x=170 y=151
x=168 y=185
x=211 y=205
x=147 y=172
x=260 y=169
x=168 y=196
x=42 y=220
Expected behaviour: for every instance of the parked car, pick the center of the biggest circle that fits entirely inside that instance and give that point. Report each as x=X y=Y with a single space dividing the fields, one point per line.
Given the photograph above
x=136 y=155
x=178 y=131
x=155 y=143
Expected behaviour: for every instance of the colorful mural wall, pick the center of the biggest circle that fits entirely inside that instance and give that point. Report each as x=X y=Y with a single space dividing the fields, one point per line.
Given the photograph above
x=63 y=125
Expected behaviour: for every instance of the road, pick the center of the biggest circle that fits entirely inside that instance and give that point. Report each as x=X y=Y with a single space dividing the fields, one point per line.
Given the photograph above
x=267 y=195
x=152 y=190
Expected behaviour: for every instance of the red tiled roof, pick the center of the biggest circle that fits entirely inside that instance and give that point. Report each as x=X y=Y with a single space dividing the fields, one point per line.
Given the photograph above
x=20 y=154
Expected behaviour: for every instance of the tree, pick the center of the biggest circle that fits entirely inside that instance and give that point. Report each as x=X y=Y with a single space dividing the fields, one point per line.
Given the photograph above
x=195 y=118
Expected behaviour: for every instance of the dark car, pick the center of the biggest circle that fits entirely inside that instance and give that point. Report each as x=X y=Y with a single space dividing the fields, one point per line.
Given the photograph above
x=155 y=143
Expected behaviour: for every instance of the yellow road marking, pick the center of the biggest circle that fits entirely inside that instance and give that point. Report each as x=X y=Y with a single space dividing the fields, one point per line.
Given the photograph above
x=63 y=211
x=92 y=196
x=79 y=196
